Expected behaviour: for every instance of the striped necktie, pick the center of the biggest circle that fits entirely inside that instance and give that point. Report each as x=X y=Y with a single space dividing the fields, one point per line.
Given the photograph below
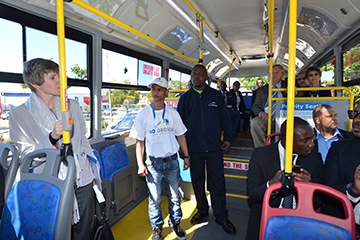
x=273 y=106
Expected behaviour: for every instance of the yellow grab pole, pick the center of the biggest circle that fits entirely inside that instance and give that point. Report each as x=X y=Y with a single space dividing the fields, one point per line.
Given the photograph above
x=291 y=86
x=130 y=29
x=201 y=41
x=271 y=53
x=62 y=69
x=215 y=34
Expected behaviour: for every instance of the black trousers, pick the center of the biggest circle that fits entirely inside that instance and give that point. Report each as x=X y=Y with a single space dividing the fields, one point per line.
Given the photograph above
x=85 y=196
x=215 y=181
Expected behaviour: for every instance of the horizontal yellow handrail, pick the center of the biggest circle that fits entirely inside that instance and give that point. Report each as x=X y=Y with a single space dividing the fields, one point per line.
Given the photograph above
x=130 y=29
x=235 y=176
x=215 y=34
x=350 y=97
x=236 y=159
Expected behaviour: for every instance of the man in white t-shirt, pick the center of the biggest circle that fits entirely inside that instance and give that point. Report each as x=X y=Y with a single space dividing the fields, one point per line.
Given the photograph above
x=163 y=130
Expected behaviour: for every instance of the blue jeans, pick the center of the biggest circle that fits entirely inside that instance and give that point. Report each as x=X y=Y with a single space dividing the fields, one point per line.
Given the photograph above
x=171 y=172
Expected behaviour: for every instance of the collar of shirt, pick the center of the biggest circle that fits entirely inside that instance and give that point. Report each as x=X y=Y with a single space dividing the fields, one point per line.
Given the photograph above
x=282 y=156
x=324 y=143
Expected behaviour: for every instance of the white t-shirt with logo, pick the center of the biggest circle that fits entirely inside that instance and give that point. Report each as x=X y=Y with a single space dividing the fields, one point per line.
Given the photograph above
x=159 y=134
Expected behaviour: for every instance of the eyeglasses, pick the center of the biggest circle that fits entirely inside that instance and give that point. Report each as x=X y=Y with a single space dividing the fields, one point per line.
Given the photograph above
x=315 y=74
x=353 y=114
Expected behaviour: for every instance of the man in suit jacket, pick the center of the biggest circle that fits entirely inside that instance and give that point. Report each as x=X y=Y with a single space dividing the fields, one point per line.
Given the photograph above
x=260 y=121
x=342 y=168
x=267 y=164
x=239 y=106
x=259 y=84
x=229 y=100
x=326 y=122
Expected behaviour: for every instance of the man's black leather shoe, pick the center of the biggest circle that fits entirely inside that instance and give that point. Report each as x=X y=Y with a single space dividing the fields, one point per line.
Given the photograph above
x=198 y=217
x=226 y=225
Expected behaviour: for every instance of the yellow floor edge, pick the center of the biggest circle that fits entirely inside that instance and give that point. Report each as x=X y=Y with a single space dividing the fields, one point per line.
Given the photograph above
x=136 y=224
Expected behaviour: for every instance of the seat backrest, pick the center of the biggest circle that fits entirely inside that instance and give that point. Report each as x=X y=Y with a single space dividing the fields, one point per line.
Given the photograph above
x=39 y=206
x=303 y=222
x=114 y=158
x=10 y=162
x=268 y=138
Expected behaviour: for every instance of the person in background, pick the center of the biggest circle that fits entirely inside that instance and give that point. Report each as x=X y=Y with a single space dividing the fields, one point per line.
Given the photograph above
x=259 y=84
x=37 y=124
x=204 y=113
x=302 y=80
x=189 y=85
x=342 y=169
x=229 y=100
x=314 y=74
x=239 y=106
x=326 y=131
x=160 y=126
x=267 y=164
x=260 y=107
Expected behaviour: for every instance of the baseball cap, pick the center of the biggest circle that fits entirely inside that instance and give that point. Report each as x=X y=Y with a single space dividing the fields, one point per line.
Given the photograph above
x=162 y=82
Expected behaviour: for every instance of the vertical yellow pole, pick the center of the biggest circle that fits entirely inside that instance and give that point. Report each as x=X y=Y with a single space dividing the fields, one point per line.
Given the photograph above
x=62 y=66
x=291 y=86
x=271 y=53
x=201 y=40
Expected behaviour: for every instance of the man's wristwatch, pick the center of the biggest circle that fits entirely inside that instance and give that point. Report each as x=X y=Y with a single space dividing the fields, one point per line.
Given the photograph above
x=349 y=188
x=188 y=157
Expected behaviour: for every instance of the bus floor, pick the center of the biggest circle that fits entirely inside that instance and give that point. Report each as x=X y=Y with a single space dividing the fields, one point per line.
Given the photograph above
x=136 y=225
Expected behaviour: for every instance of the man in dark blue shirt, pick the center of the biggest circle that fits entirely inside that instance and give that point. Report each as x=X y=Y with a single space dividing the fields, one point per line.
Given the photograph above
x=205 y=115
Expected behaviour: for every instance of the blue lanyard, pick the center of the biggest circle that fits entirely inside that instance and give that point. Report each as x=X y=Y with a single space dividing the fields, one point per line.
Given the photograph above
x=317 y=93
x=54 y=114
x=153 y=108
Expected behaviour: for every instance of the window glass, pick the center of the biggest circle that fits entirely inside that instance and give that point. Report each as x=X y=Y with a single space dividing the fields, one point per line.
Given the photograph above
x=120 y=105
x=327 y=74
x=119 y=68
x=11 y=56
x=178 y=80
x=11 y=96
x=82 y=96
x=148 y=72
x=305 y=48
x=351 y=63
x=45 y=45
x=320 y=23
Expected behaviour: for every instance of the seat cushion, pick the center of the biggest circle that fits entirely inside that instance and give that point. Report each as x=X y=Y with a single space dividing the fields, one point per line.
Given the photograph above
x=114 y=158
x=31 y=211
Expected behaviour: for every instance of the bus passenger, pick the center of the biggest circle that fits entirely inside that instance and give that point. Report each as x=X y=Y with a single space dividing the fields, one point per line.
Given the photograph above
x=314 y=74
x=229 y=99
x=204 y=113
x=326 y=122
x=302 y=80
x=267 y=164
x=37 y=124
x=342 y=168
x=239 y=106
x=259 y=123
x=162 y=129
x=259 y=84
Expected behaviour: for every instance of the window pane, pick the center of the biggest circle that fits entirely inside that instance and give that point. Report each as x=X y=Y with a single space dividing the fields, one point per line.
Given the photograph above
x=82 y=95
x=12 y=95
x=148 y=72
x=352 y=63
x=118 y=112
x=119 y=68
x=45 y=45
x=11 y=47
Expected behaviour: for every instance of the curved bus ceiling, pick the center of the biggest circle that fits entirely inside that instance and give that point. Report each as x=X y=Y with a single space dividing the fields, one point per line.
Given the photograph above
x=240 y=24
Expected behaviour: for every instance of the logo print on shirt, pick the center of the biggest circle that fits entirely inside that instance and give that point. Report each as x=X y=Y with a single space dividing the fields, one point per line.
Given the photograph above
x=165 y=121
x=213 y=104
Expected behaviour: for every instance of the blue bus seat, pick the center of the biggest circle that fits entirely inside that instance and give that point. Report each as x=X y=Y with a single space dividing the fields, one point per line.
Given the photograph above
x=10 y=162
x=106 y=188
x=38 y=205
x=115 y=162
x=303 y=222
x=247 y=101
